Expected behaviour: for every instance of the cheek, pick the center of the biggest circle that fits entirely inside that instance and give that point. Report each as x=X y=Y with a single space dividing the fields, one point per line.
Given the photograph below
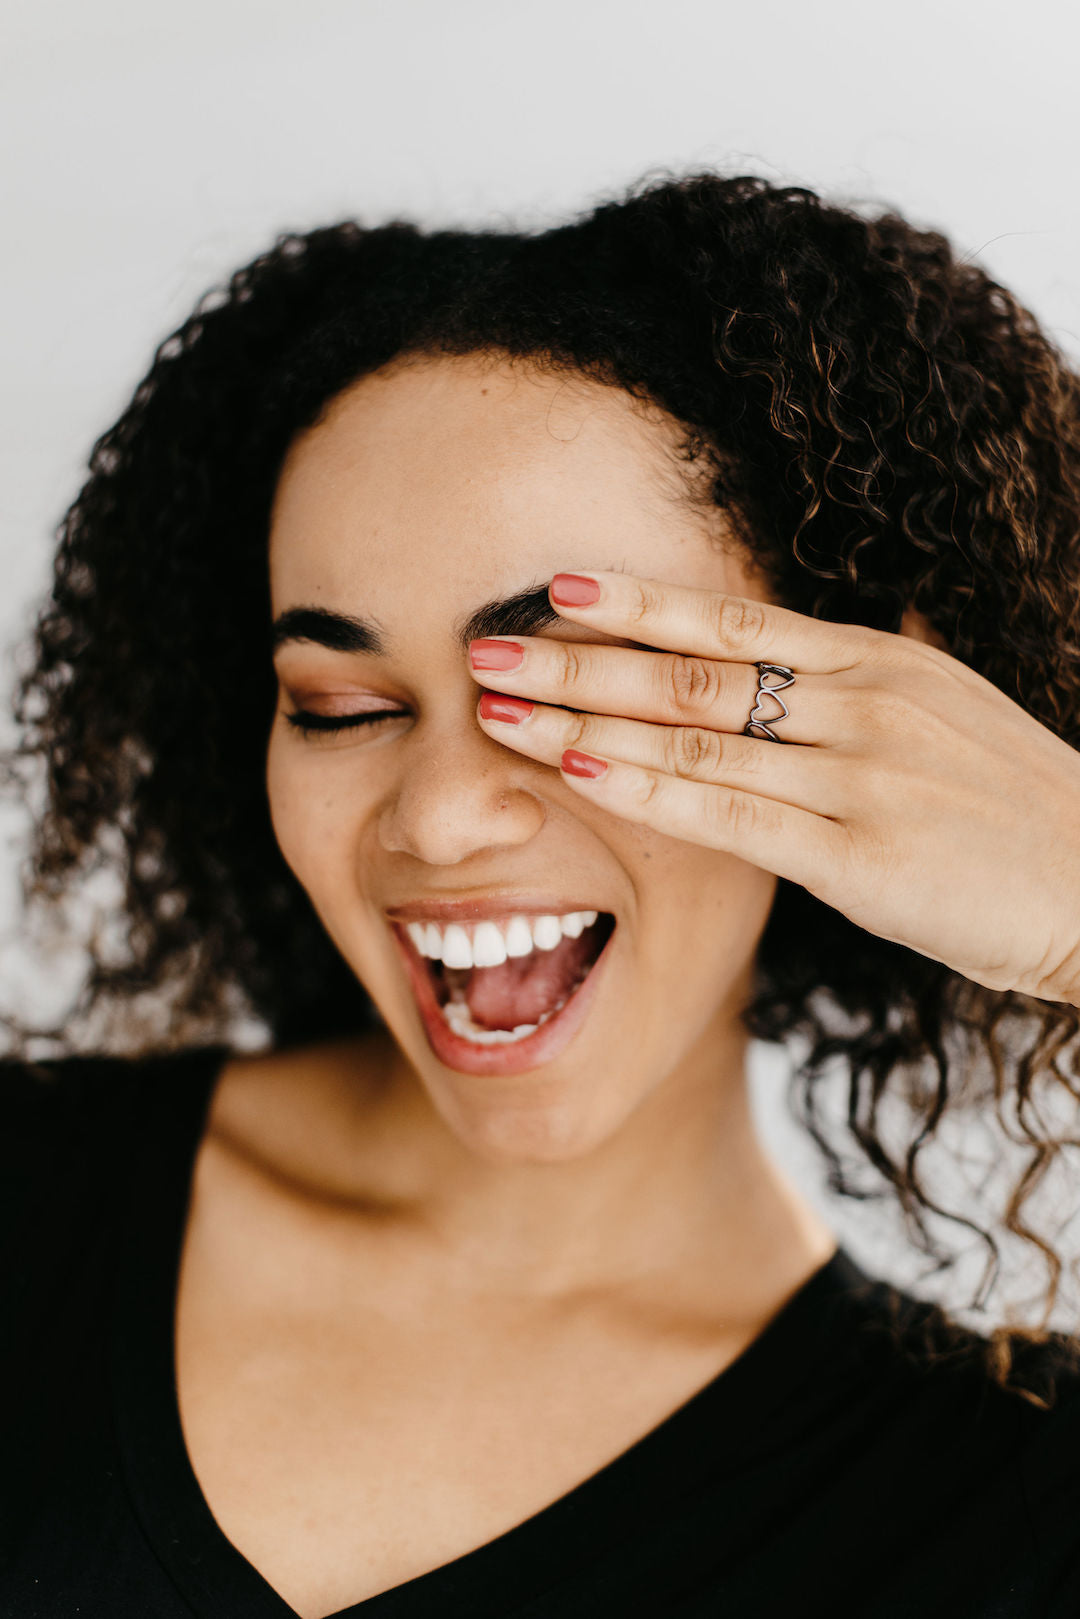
x=709 y=880
x=315 y=817
x=714 y=906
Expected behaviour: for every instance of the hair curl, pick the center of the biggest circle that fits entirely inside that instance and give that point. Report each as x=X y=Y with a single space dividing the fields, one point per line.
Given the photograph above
x=881 y=422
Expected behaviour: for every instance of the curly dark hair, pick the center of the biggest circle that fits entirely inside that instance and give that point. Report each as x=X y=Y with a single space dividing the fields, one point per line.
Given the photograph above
x=883 y=426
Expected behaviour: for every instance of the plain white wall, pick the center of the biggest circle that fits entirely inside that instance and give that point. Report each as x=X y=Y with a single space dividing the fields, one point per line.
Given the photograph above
x=151 y=148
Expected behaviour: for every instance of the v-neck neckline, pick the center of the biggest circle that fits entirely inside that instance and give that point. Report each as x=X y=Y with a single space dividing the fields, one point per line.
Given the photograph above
x=641 y=1485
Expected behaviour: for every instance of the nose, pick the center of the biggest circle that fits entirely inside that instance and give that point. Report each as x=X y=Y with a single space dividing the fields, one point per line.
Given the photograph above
x=461 y=794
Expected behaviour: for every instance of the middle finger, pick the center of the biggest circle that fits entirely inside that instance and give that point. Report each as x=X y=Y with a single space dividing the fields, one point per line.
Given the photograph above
x=667 y=688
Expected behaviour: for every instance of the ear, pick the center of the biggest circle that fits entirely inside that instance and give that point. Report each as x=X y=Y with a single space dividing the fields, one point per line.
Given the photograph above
x=919 y=629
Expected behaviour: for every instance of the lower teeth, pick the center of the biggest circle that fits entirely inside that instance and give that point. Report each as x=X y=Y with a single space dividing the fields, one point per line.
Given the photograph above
x=459 y=1017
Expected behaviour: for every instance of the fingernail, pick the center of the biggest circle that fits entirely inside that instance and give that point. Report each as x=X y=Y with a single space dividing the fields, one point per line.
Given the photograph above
x=511 y=710
x=499 y=655
x=574 y=590
x=582 y=764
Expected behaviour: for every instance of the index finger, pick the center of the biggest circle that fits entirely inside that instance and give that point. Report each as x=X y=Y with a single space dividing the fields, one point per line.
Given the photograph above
x=710 y=623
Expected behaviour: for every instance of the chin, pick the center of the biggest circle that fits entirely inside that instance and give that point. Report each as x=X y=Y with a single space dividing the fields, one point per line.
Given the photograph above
x=529 y=1129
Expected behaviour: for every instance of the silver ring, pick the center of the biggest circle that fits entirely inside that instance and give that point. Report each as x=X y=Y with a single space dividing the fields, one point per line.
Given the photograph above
x=755 y=726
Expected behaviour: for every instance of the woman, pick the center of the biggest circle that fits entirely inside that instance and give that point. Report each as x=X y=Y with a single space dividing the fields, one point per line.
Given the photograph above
x=419 y=652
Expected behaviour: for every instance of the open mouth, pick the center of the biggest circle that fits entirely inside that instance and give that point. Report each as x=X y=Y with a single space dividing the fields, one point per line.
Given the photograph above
x=509 y=1001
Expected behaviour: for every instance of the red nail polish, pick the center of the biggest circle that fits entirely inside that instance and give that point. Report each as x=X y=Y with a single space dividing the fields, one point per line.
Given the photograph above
x=574 y=590
x=511 y=710
x=499 y=655
x=582 y=764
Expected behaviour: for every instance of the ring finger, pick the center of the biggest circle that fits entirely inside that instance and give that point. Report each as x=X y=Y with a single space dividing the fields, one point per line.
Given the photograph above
x=791 y=773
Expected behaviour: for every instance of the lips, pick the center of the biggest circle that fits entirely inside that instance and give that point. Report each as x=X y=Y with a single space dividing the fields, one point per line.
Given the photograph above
x=548 y=1041
x=486 y=907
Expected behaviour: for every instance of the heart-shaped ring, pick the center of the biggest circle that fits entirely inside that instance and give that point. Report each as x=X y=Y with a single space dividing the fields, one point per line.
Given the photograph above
x=755 y=725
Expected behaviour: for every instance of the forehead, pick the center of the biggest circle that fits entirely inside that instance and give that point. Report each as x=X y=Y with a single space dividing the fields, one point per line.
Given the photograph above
x=475 y=474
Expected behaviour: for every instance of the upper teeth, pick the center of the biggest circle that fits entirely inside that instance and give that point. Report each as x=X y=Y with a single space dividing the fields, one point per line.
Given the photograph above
x=488 y=944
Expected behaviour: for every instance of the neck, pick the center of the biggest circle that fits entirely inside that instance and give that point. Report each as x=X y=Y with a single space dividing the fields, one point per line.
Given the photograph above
x=682 y=1188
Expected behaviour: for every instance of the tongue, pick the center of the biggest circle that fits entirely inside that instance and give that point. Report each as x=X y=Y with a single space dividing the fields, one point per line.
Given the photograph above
x=524 y=987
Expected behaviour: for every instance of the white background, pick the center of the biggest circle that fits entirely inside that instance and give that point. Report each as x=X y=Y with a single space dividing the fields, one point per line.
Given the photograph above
x=151 y=148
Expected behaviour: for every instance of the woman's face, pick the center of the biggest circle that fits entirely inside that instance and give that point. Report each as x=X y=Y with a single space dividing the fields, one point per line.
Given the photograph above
x=428 y=491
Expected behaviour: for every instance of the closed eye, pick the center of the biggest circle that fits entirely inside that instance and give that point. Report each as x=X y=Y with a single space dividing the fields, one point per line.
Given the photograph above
x=309 y=724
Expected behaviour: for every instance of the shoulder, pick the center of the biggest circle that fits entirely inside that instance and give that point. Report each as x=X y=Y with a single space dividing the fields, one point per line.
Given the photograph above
x=925 y=1367
x=62 y=1095
x=68 y=1128
x=53 y=1113
x=67 y=1100
x=304 y=1114
x=1013 y=1396
x=74 y=1123
x=975 y=1433
x=72 y=1133
x=1026 y=1371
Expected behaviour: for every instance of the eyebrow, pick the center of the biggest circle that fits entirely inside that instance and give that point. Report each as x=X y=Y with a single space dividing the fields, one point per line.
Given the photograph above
x=522 y=614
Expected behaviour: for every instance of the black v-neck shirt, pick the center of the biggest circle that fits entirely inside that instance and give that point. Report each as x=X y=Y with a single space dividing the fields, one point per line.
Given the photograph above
x=824 y=1472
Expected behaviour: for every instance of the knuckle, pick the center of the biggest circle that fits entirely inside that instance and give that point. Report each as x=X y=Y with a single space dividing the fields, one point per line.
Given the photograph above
x=891 y=712
x=878 y=785
x=878 y=855
x=648 y=789
x=578 y=731
x=694 y=751
x=693 y=683
x=646 y=603
x=572 y=670
x=737 y=816
x=738 y=621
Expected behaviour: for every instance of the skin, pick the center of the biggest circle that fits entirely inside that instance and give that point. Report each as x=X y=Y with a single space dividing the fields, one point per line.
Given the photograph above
x=416 y=1299
x=561 y=1259
x=521 y=473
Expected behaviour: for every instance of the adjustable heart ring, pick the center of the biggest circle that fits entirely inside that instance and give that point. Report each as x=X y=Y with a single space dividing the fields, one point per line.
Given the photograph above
x=756 y=726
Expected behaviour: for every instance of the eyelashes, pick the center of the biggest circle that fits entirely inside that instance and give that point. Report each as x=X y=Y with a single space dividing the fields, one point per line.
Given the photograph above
x=312 y=725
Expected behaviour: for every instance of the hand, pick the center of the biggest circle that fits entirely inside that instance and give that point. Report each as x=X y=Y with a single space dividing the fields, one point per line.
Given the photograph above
x=909 y=793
